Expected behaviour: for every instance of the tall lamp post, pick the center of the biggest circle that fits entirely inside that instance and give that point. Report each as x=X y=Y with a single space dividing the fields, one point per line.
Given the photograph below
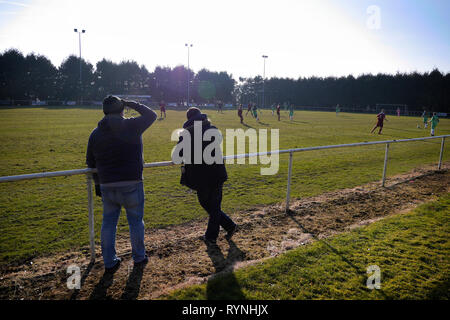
x=264 y=79
x=188 y=45
x=79 y=43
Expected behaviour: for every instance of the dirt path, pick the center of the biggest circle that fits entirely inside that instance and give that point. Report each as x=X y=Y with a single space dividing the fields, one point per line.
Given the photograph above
x=178 y=258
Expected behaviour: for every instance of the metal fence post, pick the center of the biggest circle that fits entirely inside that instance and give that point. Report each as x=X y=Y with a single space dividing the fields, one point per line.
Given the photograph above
x=91 y=215
x=441 y=154
x=289 y=182
x=385 y=164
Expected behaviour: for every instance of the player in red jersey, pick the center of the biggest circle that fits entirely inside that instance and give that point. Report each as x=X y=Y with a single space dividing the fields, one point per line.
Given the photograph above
x=380 y=118
x=249 y=108
x=240 y=113
x=162 y=108
x=278 y=111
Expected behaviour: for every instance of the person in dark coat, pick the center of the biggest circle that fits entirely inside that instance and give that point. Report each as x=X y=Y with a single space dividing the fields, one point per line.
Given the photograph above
x=206 y=179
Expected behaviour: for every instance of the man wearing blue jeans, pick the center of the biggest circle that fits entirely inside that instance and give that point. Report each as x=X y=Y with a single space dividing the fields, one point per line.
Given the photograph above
x=115 y=150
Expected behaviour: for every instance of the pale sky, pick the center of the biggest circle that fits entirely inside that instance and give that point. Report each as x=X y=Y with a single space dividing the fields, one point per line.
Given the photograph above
x=301 y=38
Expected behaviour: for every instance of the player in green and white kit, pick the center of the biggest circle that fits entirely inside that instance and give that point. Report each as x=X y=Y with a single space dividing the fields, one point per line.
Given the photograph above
x=291 y=112
x=255 y=112
x=434 y=122
x=425 y=119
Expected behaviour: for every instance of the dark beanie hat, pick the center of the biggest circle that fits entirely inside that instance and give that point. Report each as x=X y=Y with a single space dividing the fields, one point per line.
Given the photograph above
x=112 y=104
x=192 y=112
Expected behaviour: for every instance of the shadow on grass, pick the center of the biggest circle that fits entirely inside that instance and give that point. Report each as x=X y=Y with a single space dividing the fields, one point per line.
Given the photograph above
x=294 y=121
x=358 y=271
x=440 y=291
x=224 y=286
x=133 y=285
x=400 y=129
x=131 y=291
x=83 y=279
x=100 y=290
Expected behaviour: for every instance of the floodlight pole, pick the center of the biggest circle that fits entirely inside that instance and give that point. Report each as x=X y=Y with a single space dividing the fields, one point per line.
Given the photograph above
x=79 y=44
x=188 y=46
x=264 y=80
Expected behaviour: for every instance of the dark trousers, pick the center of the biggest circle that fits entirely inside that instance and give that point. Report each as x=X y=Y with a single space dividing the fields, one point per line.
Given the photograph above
x=210 y=199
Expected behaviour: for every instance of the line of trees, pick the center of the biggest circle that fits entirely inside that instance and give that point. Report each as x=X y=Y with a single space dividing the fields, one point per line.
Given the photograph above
x=34 y=76
x=430 y=91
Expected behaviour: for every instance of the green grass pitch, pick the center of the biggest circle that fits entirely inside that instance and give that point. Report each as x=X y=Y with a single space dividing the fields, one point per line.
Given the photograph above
x=39 y=217
x=411 y=251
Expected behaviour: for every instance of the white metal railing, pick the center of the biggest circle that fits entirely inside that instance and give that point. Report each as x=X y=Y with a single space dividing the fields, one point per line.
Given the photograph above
x=88 y=172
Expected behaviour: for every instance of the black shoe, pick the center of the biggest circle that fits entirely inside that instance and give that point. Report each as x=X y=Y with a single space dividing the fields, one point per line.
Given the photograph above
x=115 y=267
x=208 y=242
x=141 y=263
x=231 y=233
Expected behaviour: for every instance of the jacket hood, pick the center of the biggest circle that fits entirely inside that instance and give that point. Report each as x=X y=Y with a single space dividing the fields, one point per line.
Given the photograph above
x=110 y=122
x=200 y=117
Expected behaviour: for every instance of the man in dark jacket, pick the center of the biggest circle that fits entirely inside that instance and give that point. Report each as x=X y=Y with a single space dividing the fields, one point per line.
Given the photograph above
x=206 y=179
x=115 y=150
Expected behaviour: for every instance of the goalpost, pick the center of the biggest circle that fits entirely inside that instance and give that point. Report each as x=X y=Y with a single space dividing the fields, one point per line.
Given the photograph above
x=392 y=108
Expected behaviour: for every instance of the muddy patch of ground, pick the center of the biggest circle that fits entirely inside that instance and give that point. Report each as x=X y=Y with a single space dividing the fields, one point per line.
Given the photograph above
x=179 y=258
